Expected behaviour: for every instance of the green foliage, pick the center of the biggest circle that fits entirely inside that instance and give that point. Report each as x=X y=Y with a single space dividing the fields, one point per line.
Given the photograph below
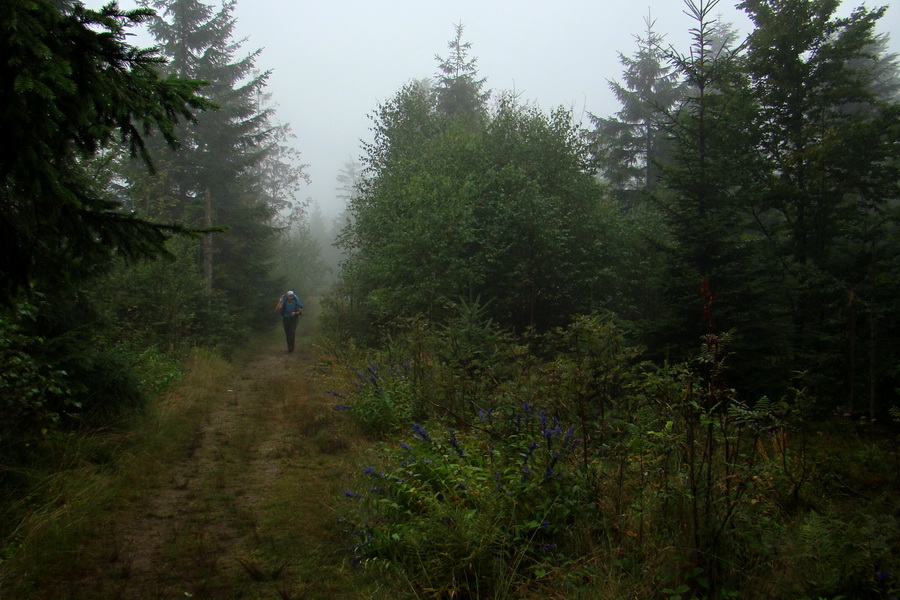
x=674 y=473
x=630 y=147
x=382 y=399
x=709 y=252
x=470 y=515
x=458 y=87
x=71 y=86
x=773 y=219
x=155 y=302
x=74 y=89
x=824 y=191
x=504 y=212
x=235 y=170
x=158 y=370
x=35 y=391
x=58 y=375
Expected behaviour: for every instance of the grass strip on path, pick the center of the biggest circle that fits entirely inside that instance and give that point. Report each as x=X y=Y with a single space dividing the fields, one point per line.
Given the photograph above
x=223 y=491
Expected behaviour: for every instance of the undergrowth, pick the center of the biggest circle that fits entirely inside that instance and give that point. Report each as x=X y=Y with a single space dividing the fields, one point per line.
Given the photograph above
x=59 y=494
x=566 y=467
x=504 y=495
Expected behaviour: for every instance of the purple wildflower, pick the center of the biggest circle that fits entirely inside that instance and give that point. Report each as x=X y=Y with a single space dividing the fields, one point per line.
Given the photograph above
x=420 y=431
x=551 y=433
x=526 y=472
x=371 y=471
x=530 y=450
x=352 y=494
x=341 y=407
x=453 y=442
x=549 y=473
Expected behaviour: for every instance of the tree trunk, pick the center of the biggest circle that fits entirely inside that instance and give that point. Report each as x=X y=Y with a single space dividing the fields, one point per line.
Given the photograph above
x=207 y=243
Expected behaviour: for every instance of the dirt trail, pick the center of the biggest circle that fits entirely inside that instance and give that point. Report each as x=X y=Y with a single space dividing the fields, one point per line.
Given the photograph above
x=246 y=514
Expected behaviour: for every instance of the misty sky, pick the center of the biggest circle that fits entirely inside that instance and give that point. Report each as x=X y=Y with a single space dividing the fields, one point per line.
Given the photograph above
x=334 y=61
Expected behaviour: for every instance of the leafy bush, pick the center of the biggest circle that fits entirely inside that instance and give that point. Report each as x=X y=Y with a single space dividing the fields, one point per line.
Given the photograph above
x=472 y=513
x=34 y=391
x=158 y=369
x=679 y=484
x=382 y=399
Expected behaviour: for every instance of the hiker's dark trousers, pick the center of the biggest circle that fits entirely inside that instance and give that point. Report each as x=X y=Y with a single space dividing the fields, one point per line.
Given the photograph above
x=290 y=328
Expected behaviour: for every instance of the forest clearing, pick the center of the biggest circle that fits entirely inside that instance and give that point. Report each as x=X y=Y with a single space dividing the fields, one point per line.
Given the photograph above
x=647 y=355
x=247 y=480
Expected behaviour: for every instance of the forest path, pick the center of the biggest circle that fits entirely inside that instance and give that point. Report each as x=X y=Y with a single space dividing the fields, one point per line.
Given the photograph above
x=247 y=511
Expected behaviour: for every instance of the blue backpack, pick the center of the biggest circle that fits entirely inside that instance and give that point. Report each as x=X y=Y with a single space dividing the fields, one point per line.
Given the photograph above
x=284 y=305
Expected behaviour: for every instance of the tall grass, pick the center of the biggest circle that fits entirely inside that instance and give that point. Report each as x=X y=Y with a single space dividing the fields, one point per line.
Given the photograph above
x=244 y=463
x=77 y=477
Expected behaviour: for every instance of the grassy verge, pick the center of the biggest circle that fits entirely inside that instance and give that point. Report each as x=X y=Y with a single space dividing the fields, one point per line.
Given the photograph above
x=85 y=475
x=221 y=489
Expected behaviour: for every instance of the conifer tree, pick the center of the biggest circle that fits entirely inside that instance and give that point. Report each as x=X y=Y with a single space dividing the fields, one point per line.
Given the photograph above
x=713 y=261
x=459 y=90
x=827 y=193
x=630 y=147
x=224 y=175
x=69 y=85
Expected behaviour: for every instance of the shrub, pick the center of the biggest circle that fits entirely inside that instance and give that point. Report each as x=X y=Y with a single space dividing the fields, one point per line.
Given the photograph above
x=472 y=513
x=382 y=398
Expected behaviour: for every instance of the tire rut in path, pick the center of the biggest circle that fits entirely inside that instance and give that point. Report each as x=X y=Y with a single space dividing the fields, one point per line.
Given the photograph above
x=207 y=531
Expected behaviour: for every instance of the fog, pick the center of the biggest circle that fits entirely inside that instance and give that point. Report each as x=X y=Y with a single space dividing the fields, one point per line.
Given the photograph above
x=332 y=63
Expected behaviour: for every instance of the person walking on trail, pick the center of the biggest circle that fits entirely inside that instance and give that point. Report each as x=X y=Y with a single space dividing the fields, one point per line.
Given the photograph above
x=290 y=308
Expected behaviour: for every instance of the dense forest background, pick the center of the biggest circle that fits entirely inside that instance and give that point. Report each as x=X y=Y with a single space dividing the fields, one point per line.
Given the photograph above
x=642 y=337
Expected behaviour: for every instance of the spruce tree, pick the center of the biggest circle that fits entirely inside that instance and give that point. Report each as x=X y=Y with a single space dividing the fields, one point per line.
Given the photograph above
x=718 y=275
x=459 y=90
x=71 y=85
x=232 y=172
x=629 y=147
x=827 y=193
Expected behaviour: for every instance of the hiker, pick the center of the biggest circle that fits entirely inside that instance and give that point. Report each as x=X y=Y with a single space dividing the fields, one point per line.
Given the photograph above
x=291 y=308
